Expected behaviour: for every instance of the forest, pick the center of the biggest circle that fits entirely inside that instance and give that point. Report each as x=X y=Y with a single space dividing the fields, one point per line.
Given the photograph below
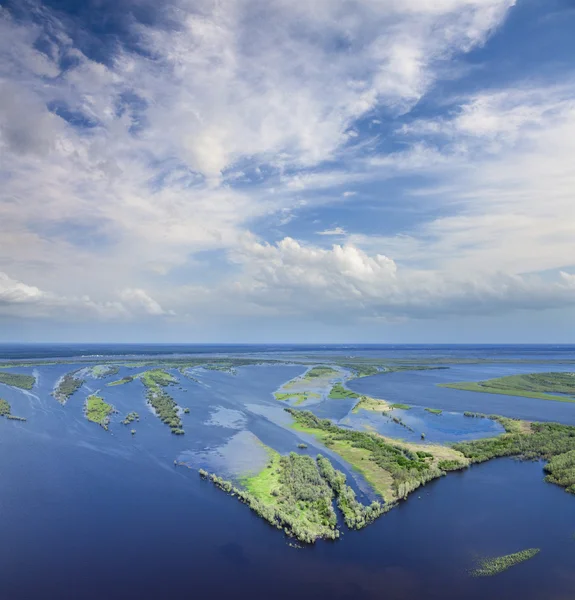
x=24 y=382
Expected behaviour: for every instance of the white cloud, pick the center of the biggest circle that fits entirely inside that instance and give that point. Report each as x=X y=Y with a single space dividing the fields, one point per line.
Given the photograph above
x=348 y=282
x=334 y=231
x=138 y=300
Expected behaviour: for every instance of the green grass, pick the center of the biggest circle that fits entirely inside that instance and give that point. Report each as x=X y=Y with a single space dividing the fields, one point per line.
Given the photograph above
x=542 y=386
x=434 y=411
x=98 y=411
x=371 y=404
x=492 y=566
x=400 y=405
x=339 y=392
x=24 y=382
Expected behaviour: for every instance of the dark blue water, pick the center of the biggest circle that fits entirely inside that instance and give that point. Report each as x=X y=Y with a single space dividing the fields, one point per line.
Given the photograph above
x=92 y=514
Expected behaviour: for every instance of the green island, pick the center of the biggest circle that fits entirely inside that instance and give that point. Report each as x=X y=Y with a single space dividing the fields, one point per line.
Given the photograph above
x=492 y=566
x=67 y=385
x=372 y=404
x=24 y=382
x=400 y=406
x=544 y=386
x=299 y=397
x=98 y=411
x=162 y=403
x=100 y=371
x=5 y=411
x=122 y=381
x=322 y=372
x=295 y=493
x=434 y=411
x=339 y=392
x=131 y=416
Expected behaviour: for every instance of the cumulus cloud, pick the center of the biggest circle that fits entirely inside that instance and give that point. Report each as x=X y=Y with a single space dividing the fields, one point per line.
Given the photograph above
x=346 y=281
x=20 y=299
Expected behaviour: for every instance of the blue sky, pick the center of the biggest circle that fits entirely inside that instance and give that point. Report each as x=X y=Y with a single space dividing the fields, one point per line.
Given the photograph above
x=276 y=171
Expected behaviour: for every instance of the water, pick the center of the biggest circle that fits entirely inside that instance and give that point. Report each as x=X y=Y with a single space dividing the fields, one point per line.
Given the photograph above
x=93 y=514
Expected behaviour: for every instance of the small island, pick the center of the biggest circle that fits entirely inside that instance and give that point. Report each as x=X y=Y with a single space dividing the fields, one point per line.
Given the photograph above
x=24 y=382
x=163 y=404
x=68 y=385
x=98 y=411
x=5 y=411
x=132 y=416
x=492 y=566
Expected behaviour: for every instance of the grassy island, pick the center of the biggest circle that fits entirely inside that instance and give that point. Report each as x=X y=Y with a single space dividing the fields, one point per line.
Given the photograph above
x=162 y=403
x=24 y=382
x=532 y=385
x=492 y=566
x=98 y=411
x=339 y=392
x=68 y=385
x=372 y=404
x=434 y=411
x=296 y=493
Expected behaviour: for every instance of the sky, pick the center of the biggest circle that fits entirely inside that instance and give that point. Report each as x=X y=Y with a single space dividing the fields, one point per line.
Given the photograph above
x=334 y=171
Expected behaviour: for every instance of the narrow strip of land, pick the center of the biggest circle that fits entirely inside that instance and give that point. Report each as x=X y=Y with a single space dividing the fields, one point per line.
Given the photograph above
x=544 y=386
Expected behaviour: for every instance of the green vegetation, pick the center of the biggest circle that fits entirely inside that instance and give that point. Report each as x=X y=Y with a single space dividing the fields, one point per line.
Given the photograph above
x=398 y=368
x=133 y=431
x=299 y=397
x=162 y=402
x=532 y=385
x=24 y=382
x=5 y=411
x=302 y=446
x=321 y=371
x=186 y=411
x=68 y=385
x=290 y=494
x=122 y=381
x=493 y=566
x=361 y=370
x=561 y=470
x=338 y=392
x=434 y=411
x=393 y=469
x=4 y=408
x=100 y=371
x=98 y=411
x=372 y=404
x=355 y=514
x=132 y=416
x=530 y=441
x=451 y=465
x=296 y=493
x=400 y=406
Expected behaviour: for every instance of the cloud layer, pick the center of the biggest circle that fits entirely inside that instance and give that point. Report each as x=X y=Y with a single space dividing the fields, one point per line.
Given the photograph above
x=152 y=169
